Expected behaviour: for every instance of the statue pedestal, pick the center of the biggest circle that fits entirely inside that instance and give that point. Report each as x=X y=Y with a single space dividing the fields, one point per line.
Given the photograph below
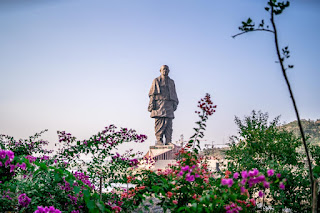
x=163 y=152
x=172 y=146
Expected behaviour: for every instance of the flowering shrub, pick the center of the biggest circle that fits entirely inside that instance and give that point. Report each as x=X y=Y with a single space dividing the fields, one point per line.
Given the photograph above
x=264 y=145
x=28 y=183
x=46 y=184
x=206 y=109
x=33 y=145
x=184 y=182
x=99 y=148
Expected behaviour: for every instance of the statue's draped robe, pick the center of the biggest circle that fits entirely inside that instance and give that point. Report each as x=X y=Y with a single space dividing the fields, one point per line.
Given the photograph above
x=164 y=98
x=163 y=103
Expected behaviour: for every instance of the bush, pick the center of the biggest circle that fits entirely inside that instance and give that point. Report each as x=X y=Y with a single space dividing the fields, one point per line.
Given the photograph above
x=264 y=145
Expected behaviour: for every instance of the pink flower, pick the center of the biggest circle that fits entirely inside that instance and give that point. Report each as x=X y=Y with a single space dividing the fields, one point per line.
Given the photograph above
x=281 y=186
x=190 y=177
x=243 y=181
x=31 y=158
x=261 y=178
x=278 y=175
x=24 y=200
x=10 y=154
x=270 y=172
x=169 y=194
x=12 y=167
x=185 y=168
x=116 y=208
x=253 y=202
x=236 y=175
x=261 y=194
x=45 y=157
x=254 y=172
x=7 y=162
x=242 y=189
x=244 y=174
x=23 y=166
x=227 y=181
x=175 y=202
x=266 y=184
x=2 y=154
x=46 y=209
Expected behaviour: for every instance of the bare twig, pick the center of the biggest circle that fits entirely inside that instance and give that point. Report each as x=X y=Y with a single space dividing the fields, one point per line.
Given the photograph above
x=291 y=94
x=266 y=30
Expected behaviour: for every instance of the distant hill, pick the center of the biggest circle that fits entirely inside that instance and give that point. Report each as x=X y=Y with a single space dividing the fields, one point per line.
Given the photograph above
x=311 y=129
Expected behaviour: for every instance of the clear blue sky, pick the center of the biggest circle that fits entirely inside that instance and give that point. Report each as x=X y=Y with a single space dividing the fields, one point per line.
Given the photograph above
x=79 y=65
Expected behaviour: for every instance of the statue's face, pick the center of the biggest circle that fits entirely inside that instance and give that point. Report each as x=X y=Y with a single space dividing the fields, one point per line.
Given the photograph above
x=164 y=70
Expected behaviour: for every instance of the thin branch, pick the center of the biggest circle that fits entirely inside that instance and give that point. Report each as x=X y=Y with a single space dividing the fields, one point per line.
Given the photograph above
x=291 y=95
x=266 y=30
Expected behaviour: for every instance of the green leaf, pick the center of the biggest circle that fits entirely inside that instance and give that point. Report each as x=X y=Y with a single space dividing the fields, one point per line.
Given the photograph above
x=316 y=171
x=233 y=197
x=90 y=204
x=101 y=207
x=76 y=189
x=86 y=193
x=43 y=166
x=57 y=177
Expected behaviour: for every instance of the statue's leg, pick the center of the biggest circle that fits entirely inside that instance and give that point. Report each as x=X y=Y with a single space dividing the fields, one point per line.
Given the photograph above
x=168 y=131
x=159 y=130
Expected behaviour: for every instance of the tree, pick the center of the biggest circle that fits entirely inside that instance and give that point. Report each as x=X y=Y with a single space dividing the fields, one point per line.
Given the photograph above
x=275 y=8
x=265 y=146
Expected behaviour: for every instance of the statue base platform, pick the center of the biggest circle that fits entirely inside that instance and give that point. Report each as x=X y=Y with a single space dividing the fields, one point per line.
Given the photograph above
x=171 y=146
x=163 y=152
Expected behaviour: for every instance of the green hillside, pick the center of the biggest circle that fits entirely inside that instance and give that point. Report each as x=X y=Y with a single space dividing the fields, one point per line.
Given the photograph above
x=311 y=129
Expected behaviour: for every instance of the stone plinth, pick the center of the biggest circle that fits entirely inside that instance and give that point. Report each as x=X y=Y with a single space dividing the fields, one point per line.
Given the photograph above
x=162 y=152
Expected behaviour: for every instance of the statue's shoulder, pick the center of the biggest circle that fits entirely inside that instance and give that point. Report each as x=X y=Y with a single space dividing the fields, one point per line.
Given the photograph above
x=172 y=81
x=156 y=80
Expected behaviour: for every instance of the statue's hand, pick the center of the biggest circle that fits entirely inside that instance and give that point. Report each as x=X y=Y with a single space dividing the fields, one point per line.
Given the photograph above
x=150 y=107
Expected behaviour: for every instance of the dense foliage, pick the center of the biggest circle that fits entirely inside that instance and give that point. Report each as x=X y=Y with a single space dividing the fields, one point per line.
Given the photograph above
x=264 y=170
x=264 y=145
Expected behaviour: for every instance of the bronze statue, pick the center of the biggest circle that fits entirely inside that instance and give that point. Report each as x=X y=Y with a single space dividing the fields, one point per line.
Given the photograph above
x=163 y=102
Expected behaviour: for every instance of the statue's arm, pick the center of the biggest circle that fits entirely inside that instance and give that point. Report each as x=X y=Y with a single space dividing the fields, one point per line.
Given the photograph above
x=151 y=103
x=175 y=106
x=175 y=103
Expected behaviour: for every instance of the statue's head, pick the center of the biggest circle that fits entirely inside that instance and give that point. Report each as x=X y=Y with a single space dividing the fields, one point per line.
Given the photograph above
x=164 y=70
